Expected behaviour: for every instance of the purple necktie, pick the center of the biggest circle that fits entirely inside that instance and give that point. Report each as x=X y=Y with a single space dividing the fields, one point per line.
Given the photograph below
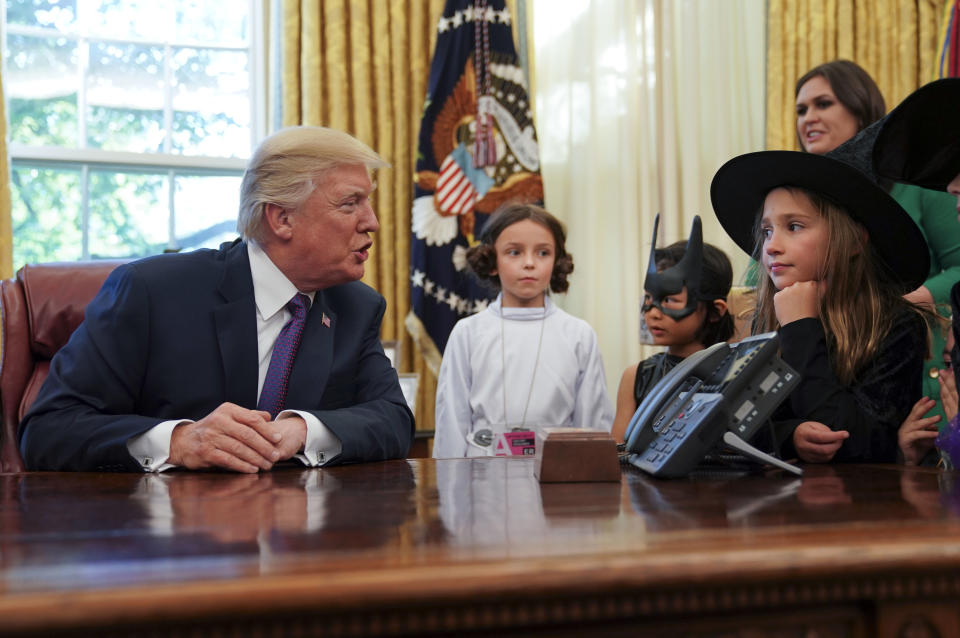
x=274 y=391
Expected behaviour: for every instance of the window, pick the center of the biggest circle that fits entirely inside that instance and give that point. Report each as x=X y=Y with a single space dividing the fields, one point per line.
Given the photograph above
x=130 y=122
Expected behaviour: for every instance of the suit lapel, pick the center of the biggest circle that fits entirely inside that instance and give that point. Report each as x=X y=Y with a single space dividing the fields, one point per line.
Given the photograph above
x=237 y=328
x=311 y=368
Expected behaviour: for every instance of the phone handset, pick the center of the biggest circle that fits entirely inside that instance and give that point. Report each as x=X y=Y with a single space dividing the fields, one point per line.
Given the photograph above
x=640 y=430
x=722 y=392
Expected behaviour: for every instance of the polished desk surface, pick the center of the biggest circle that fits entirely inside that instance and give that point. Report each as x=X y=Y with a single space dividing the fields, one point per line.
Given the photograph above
x=81 y=549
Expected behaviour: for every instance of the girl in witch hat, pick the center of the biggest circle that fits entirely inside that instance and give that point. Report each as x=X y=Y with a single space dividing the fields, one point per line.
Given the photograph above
x=838 y=254
x=684 y=309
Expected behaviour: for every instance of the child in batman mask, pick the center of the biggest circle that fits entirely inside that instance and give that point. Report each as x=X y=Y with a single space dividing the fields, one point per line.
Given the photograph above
x=684 y=309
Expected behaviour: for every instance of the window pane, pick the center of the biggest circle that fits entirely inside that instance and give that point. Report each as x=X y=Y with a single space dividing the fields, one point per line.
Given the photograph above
x=223 y=21
x=128 y=18
x=140 y=76
x=125 y=97
x=54 y=14
x=41 y=82
x=206 y=210
x=46 y=214
x=128 y=214
x=211 y=103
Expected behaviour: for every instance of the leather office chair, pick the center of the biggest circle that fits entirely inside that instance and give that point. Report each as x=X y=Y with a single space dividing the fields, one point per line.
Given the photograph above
x=39 y=310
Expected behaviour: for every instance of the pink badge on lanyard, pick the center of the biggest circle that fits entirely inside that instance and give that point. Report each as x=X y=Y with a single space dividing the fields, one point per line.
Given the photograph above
x=516 y=443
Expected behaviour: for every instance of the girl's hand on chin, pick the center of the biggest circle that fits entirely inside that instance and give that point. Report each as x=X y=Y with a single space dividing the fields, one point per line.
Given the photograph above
x=799 y=300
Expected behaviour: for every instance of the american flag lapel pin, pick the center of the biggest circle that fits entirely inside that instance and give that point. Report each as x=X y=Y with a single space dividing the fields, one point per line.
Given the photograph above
x=325 y=320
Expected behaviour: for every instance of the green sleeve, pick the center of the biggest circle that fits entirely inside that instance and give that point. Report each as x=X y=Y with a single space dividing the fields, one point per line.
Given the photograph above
x=935 y=212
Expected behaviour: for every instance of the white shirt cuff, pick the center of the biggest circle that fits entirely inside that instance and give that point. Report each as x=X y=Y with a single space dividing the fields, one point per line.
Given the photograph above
x=321 y=445
x=152 y=448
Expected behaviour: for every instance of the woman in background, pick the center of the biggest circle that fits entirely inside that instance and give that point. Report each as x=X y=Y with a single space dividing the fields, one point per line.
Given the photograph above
x=834 y=102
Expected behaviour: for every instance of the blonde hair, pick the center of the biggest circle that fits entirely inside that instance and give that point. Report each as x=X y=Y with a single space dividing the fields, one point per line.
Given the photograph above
x=289 y=165
x=858 y=306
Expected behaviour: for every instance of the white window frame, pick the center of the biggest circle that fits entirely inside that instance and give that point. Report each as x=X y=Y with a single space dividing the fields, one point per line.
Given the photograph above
x=85 y=159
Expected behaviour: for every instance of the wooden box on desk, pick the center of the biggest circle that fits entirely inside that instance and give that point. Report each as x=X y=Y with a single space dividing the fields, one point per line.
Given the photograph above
x=573 y=455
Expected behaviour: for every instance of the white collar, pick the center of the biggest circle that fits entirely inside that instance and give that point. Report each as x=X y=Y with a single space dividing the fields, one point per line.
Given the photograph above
x=271 y=288
x=523 y=314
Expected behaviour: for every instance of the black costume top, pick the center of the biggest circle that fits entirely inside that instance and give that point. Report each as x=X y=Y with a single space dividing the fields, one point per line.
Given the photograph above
x=650 y=371
x=871 y=409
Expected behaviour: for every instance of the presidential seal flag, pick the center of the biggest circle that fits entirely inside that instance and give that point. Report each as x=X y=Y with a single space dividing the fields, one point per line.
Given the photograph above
x=477 y=150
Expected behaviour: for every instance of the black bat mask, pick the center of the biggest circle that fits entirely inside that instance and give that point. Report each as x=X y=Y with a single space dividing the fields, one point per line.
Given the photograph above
x=671 y=281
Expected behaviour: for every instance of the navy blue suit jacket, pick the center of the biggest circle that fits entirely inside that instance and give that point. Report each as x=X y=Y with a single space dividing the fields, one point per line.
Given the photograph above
x=174 y=336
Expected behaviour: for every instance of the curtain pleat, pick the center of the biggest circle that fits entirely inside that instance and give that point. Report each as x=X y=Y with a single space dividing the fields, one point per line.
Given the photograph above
x=894 y=41
x=638 y=104
x=362 y=66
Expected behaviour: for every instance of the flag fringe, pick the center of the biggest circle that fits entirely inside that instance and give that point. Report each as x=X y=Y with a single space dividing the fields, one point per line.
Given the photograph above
x=425 y=345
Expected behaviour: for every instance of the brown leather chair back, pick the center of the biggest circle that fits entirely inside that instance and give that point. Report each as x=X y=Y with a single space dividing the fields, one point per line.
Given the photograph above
x=39 y=310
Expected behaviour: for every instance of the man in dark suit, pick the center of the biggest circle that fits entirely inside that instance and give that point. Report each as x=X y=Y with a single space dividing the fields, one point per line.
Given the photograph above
x=175 y=364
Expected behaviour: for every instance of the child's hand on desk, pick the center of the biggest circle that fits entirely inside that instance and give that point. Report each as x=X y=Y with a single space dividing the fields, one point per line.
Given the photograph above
x=816 y=443
x=798 y=301
x=917 y=433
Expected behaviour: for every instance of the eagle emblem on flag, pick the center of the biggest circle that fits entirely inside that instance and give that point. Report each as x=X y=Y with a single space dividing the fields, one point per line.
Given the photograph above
x=477 y=149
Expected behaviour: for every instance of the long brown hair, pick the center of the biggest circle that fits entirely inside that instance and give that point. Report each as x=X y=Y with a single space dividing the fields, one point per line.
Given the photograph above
x=858 y=306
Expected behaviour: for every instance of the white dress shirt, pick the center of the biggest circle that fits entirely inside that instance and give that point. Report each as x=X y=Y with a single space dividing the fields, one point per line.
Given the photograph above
x=272 y=291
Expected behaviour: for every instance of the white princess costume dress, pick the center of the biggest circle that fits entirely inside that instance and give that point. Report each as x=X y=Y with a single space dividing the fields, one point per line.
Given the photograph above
x=540 y=364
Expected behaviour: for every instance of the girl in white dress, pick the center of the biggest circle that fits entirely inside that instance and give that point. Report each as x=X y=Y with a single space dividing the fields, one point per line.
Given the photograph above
x=522 y=363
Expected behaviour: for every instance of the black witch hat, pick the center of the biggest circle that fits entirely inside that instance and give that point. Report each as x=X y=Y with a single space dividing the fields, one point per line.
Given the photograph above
x=919 y=141
x=845 y=176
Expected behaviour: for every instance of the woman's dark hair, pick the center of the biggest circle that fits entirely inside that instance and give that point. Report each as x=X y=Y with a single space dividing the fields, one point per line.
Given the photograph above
x=715 y=283
x=854 y=88
x=482 y=258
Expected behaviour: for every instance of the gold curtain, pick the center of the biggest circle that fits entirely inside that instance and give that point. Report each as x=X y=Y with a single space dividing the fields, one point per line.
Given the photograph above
x=362 y=66
x=6 y=221
x=895 y=41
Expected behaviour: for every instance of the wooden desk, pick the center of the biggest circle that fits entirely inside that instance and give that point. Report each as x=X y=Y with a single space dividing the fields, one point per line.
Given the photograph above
x=444 y=547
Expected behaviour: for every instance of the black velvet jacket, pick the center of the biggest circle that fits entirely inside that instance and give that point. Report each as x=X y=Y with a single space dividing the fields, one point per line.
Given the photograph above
x=871 y=409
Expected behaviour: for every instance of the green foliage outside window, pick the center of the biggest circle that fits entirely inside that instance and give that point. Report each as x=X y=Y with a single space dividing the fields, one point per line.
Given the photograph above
x=121 y=87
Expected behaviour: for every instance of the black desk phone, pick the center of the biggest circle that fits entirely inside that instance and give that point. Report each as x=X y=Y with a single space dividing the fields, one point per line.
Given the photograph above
x=724 y=392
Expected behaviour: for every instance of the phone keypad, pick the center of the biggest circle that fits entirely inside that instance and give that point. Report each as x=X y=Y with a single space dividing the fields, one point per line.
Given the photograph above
x=667 y=455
